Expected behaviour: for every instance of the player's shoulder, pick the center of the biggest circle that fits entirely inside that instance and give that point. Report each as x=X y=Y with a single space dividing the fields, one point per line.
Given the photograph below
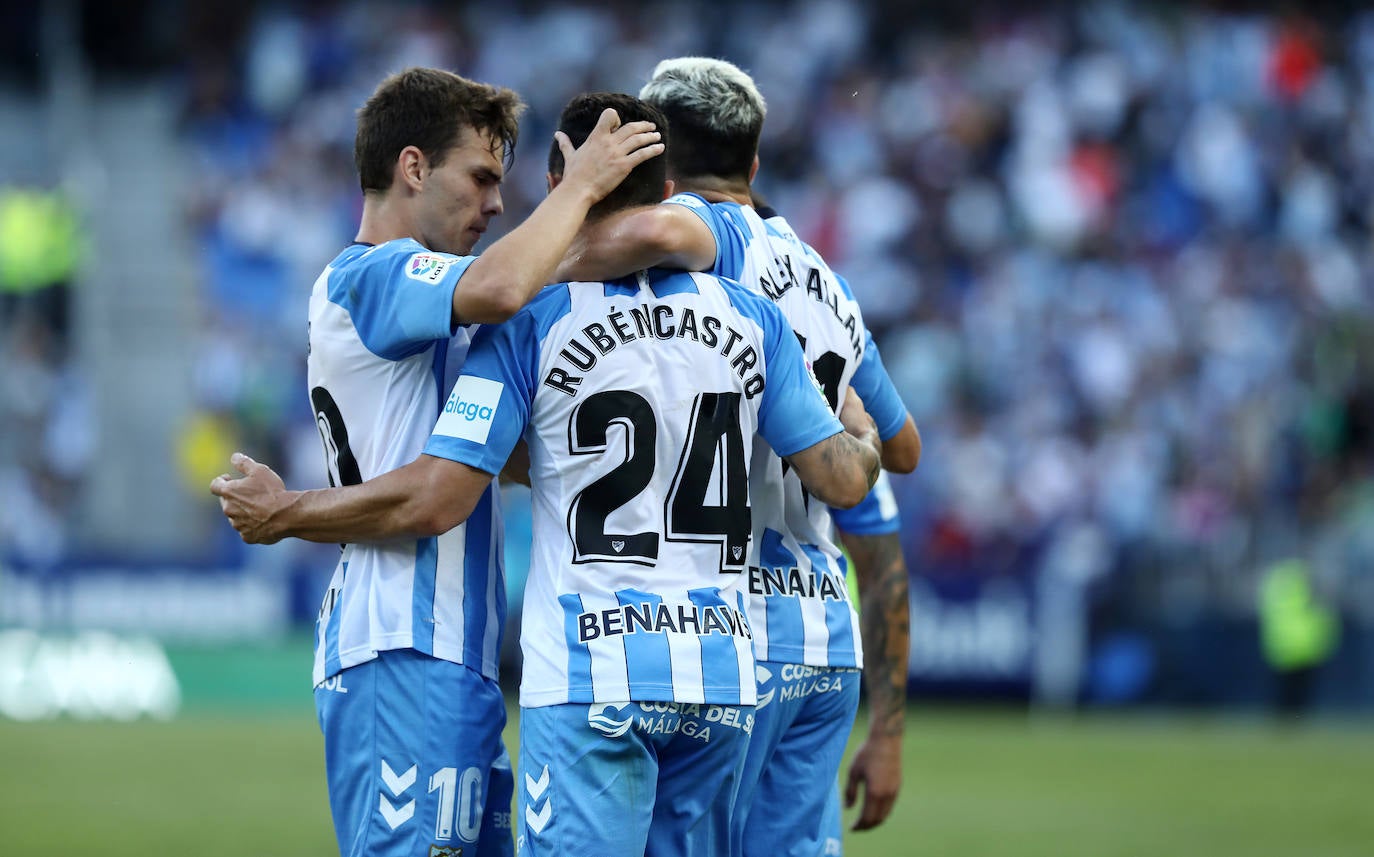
x=747 y=302
x=689 y=199
x=402 y=257
x=778 y=225
x=723 y=211
x=550 y=305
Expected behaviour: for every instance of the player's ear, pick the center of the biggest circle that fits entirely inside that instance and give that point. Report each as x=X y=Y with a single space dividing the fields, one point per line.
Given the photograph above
x=668 y=187
x=553 y=180
x=411 y=165
x=754 y=169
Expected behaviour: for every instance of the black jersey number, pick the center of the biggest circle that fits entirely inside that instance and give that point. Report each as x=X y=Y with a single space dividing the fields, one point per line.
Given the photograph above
x=829 y=370
x=588 y=432
x=714 y=455
x=339 y=460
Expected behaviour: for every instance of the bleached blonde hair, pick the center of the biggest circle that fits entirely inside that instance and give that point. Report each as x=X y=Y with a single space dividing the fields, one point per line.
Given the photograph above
x=715 y=113
x=717 y=90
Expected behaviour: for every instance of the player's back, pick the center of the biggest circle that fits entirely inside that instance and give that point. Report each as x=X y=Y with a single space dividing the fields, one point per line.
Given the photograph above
x=382 y=356
x=800 y=610
x=649 y=394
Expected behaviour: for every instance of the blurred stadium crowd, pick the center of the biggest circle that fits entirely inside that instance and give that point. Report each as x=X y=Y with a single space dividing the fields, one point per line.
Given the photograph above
x=1118 y=260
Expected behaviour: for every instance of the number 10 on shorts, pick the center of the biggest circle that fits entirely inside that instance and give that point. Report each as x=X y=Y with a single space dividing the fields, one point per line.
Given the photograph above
x=459 y=797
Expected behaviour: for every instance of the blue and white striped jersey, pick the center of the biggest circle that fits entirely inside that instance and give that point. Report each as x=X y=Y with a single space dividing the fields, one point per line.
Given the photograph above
x=382 y=357
x=640 y=400
x=877 y=515
x=799 y=607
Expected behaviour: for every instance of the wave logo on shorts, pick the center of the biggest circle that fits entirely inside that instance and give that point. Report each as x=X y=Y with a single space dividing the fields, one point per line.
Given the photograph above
x=600 y=718
x=763 y=677
x=426 y=267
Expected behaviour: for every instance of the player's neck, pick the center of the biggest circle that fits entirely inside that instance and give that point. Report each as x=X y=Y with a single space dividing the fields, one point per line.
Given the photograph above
x=714 y=189
x=383 y=220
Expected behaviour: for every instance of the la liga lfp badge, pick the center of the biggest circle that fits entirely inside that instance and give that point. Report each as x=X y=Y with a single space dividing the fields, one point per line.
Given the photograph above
x=426 y=267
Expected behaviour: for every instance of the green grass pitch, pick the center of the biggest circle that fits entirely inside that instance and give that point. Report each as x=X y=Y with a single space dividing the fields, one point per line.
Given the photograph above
x=976 y=783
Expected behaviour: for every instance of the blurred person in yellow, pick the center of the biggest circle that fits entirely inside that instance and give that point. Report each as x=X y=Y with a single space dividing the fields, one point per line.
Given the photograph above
x=40 y=248
x=1298 y=633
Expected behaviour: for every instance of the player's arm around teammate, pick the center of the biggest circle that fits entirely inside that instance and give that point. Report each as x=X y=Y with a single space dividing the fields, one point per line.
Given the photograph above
x=667 y=236
x=432 y=495
x=515 y=268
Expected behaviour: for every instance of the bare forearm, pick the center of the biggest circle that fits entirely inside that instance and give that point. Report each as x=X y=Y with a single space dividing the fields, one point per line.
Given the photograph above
x=612 y=247
x=668 y=236
x=840 y=470
x=885 y=626
x=902 y=452
x=515 y=268
x=384 y=508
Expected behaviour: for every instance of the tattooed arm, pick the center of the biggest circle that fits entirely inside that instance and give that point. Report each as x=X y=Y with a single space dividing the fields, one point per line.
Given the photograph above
x=885 y=625
x=840 y=470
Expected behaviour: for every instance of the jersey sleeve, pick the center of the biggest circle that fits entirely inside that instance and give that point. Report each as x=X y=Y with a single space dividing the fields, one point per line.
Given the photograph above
x=729 y=236
x=793 y=414
x=489 y=408
x=876 y=515
x=403 y=302
x=879 y=394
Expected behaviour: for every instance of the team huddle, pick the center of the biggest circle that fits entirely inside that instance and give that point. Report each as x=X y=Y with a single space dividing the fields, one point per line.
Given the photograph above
x=688 y=403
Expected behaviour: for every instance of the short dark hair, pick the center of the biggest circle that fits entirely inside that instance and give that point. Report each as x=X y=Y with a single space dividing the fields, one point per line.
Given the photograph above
x=716 y=112
x=429 y=108
x=644 y=184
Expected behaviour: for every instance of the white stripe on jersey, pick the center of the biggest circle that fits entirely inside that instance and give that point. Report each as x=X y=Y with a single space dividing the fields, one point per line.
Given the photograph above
x=448 y=612
x=381 y=358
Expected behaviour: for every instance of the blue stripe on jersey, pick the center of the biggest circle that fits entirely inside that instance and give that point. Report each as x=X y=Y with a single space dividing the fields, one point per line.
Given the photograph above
x=838 y=621
x=437 y=369
x=719 y=659
x=662 y=281
x=880 y=397
x=579 y=656
x=477 y=572
x=782 y=613
x=422 y=597
x=427 y=550
x=546 y=309
x=732 y=250
x=645 y=653
x=620 y=288
x=867 y=518
x=331 y=629
x=665 y=283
